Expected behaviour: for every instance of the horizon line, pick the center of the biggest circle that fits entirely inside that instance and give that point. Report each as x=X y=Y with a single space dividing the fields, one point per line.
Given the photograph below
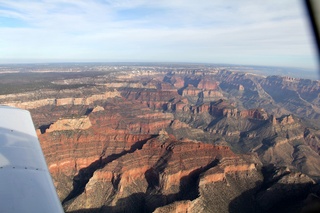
x=159 y=62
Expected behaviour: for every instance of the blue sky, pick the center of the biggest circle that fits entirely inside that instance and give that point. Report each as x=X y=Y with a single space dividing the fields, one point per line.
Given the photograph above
x=252 y=32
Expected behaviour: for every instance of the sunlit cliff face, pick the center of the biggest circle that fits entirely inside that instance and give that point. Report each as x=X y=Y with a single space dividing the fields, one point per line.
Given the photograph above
x=166 y=141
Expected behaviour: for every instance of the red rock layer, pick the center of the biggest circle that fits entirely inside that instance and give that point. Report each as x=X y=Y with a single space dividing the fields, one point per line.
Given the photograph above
x=163 y=165
x=208 y=84
x=113 y=130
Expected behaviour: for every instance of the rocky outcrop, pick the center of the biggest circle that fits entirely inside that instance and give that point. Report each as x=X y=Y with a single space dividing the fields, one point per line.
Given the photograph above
x=212 y=95
x=191 y=91
x=207 y=84
x=31 y=104
x=312 y=140
x=62 y=101
x=70 y=124
x=147 y=140
x=254 y=113
x=163 y=171
x=97 y=109
x=178 y=82
x=241 y=88
x=226 y=166
x=287 y=120
x=283 y=185
x=178 y=207
x=287 y=145
x=111 y=130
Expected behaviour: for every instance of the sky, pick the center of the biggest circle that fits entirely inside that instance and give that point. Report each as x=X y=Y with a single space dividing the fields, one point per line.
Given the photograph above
x=248 y=32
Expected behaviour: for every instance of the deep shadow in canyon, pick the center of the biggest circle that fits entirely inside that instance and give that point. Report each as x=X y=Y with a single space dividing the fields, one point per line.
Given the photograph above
x=80 y=181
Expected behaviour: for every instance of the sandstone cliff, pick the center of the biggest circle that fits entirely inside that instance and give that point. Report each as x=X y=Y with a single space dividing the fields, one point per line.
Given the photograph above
x=62 y=101
x=163 y=171
x=70 y=124
x=177 y=140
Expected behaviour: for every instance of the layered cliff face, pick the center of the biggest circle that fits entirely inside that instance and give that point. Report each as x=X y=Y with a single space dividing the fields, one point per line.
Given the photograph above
x=278 y=95
x=163 y=171
x=178 y=141
x=61 y=101
x=283 y=141
x=73 y=144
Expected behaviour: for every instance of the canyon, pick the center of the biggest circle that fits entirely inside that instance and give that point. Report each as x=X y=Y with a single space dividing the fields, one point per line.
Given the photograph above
x=172 y=139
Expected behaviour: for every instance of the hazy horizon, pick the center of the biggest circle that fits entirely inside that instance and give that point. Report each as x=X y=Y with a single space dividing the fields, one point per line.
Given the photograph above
x=246 y=32
x=302 y=73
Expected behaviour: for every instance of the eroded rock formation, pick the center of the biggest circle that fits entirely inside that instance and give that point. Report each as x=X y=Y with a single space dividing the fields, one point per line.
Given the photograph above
x=178 y=140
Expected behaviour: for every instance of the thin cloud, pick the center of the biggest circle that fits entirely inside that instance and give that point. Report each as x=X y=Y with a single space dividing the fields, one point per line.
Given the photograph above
x=165 y=30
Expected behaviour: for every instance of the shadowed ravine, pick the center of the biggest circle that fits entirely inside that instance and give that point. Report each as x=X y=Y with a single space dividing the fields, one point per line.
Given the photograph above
x=204 y=117
x=153 y=198
x=80 y=181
